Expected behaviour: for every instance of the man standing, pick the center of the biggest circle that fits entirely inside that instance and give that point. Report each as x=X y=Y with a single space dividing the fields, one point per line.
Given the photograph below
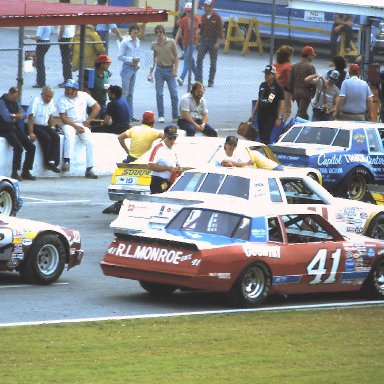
x=211 y=31
x=194 y=113
x=12 y=129
x=117 y=111
x=142 y=137
x=163 y=161
x=301 y=91
x=327 y=94
x=269 y=107
x=40 y=126
x=43 y=36
x=72 y=107
x=166 y=59
x=355 y=98
x=129 y=54
x=342 y=24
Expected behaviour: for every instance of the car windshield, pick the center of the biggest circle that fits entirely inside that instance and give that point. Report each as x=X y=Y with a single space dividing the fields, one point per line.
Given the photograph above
x=215 y=183
x=318 y=135
x=211 y=222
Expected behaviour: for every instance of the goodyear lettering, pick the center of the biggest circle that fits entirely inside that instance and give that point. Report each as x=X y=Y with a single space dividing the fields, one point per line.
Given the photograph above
x=149 y=253
x=136 y=172
x=260 y=251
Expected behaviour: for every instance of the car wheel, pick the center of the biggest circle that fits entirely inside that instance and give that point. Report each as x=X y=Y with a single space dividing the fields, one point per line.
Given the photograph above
x=374 y=285
x=157 y=288
x=355 y=185
x=7 y=199
x=376 y=227
x=44 y=261
x=252 y=286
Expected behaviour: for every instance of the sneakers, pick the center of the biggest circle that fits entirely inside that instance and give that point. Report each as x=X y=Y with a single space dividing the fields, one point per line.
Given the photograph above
x=211 y=84
x=15 y=175
x=65 y=167
x=180 y=81
x=90 y=174
x=160 y=119
x=175 y=120
x=52 y=167
x=26 y=175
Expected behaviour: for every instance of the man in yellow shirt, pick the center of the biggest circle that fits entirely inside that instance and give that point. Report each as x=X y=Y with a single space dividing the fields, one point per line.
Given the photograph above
x=142 y=137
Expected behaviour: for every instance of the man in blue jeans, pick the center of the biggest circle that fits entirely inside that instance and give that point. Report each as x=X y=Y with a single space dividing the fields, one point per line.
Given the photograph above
x=194 y=113
x=166 y=59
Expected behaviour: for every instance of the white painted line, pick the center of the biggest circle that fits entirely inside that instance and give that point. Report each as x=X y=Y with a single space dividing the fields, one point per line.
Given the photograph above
x=45 y=201
x=27 y=285
x=160 y=315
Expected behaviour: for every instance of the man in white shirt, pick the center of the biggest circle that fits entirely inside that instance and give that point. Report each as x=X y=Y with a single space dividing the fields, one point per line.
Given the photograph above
x=129 y=54
x=72 y=107
x=163 y=161
x=229 y=157
x=194 y=112
x=40 y=126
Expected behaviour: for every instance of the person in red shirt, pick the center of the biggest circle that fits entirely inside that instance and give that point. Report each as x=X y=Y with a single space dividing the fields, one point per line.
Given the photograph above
x=184 y=31
x=211 y=31
x=283 y=72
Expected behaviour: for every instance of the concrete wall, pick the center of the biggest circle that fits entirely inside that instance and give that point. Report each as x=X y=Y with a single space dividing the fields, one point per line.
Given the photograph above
x=107 y=152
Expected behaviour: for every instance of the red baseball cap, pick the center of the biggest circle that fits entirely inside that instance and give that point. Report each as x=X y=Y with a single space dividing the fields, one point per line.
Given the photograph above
x=148 y=117
x=103 y=59
x=354 y=68
x=308 y=50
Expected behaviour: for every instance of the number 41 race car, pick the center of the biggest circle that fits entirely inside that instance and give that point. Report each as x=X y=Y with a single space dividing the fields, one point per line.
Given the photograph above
x=247 y=254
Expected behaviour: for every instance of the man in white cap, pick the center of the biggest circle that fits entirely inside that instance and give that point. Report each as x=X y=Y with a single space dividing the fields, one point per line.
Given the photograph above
x=72 y=108
x=269 y=107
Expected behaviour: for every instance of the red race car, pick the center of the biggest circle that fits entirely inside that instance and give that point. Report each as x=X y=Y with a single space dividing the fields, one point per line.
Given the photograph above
x=247 y=254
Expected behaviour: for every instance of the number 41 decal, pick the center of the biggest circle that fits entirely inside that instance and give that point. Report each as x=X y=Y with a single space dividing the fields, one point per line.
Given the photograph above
x=317 y=266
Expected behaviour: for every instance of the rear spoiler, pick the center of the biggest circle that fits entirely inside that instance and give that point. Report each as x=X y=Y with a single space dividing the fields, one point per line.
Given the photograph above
x=277 y=149
x=162 y=199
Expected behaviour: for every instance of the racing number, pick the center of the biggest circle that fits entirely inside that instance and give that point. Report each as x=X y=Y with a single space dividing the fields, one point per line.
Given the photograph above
x=317 y=266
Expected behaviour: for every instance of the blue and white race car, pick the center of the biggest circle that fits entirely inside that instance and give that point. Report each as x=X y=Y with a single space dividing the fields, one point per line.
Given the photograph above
x=10 y=199
x=349 y=155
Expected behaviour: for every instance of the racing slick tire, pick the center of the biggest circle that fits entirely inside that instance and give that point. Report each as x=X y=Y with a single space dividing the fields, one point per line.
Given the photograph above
x=7 y=199
x=252 y=287
x=376 y=227
x=374 y=285
x=354 y=186
x=157 y=288
x=45 y=260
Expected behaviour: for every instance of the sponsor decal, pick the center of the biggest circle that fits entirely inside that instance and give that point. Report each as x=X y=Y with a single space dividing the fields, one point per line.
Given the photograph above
x=136 y=172
x=363 y=215
x=376 y=160
x=27 y=242
x=286 y=279
x=349 y=265
x=149 y=253
x=334 y=160
x=358 y=137
x=371 y=252
x=261 y=251
x=221 y=275
x=359 y=230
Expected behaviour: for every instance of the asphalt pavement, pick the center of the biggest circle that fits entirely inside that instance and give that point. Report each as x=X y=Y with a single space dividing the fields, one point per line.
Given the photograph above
x=229 y=101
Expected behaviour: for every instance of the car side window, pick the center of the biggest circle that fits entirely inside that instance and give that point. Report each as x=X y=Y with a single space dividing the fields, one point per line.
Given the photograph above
x=212 y=183
x=235 y=186
x=304 y=229
x=189 y=181
x=274 y=230
x=373 y=140
x=274 y=191
x=296 y=192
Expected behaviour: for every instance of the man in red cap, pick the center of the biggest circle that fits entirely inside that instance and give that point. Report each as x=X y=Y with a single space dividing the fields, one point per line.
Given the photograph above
x=356 y=99
x=142 y=137
x=301 y=90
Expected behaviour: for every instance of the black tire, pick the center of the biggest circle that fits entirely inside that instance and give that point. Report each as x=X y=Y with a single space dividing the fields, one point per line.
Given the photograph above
x=313 y=176
x=374 y=285
x=45 y=260
x=157 y=288
x=376 y=227
x=252 y=286
x=7 y=199
x=354 y=186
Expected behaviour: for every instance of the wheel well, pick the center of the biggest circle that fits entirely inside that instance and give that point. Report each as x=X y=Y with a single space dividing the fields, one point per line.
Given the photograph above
x=60 y=236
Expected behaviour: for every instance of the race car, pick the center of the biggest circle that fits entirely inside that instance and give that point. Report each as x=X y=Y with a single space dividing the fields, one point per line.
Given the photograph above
x=260 y=188
x=348 y=154
x=37 y=250
x=10 y=199
x=135 y=178
x=247 y=254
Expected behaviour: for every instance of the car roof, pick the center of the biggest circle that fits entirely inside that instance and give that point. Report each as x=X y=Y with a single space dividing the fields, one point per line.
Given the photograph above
x=349 y=125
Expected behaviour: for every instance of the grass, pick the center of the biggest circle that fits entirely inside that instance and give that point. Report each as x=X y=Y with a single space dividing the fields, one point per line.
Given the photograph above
x=327 y=346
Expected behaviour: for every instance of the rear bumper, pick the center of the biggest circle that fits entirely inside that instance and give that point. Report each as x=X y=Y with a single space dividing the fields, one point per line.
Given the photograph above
x=121 y=192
